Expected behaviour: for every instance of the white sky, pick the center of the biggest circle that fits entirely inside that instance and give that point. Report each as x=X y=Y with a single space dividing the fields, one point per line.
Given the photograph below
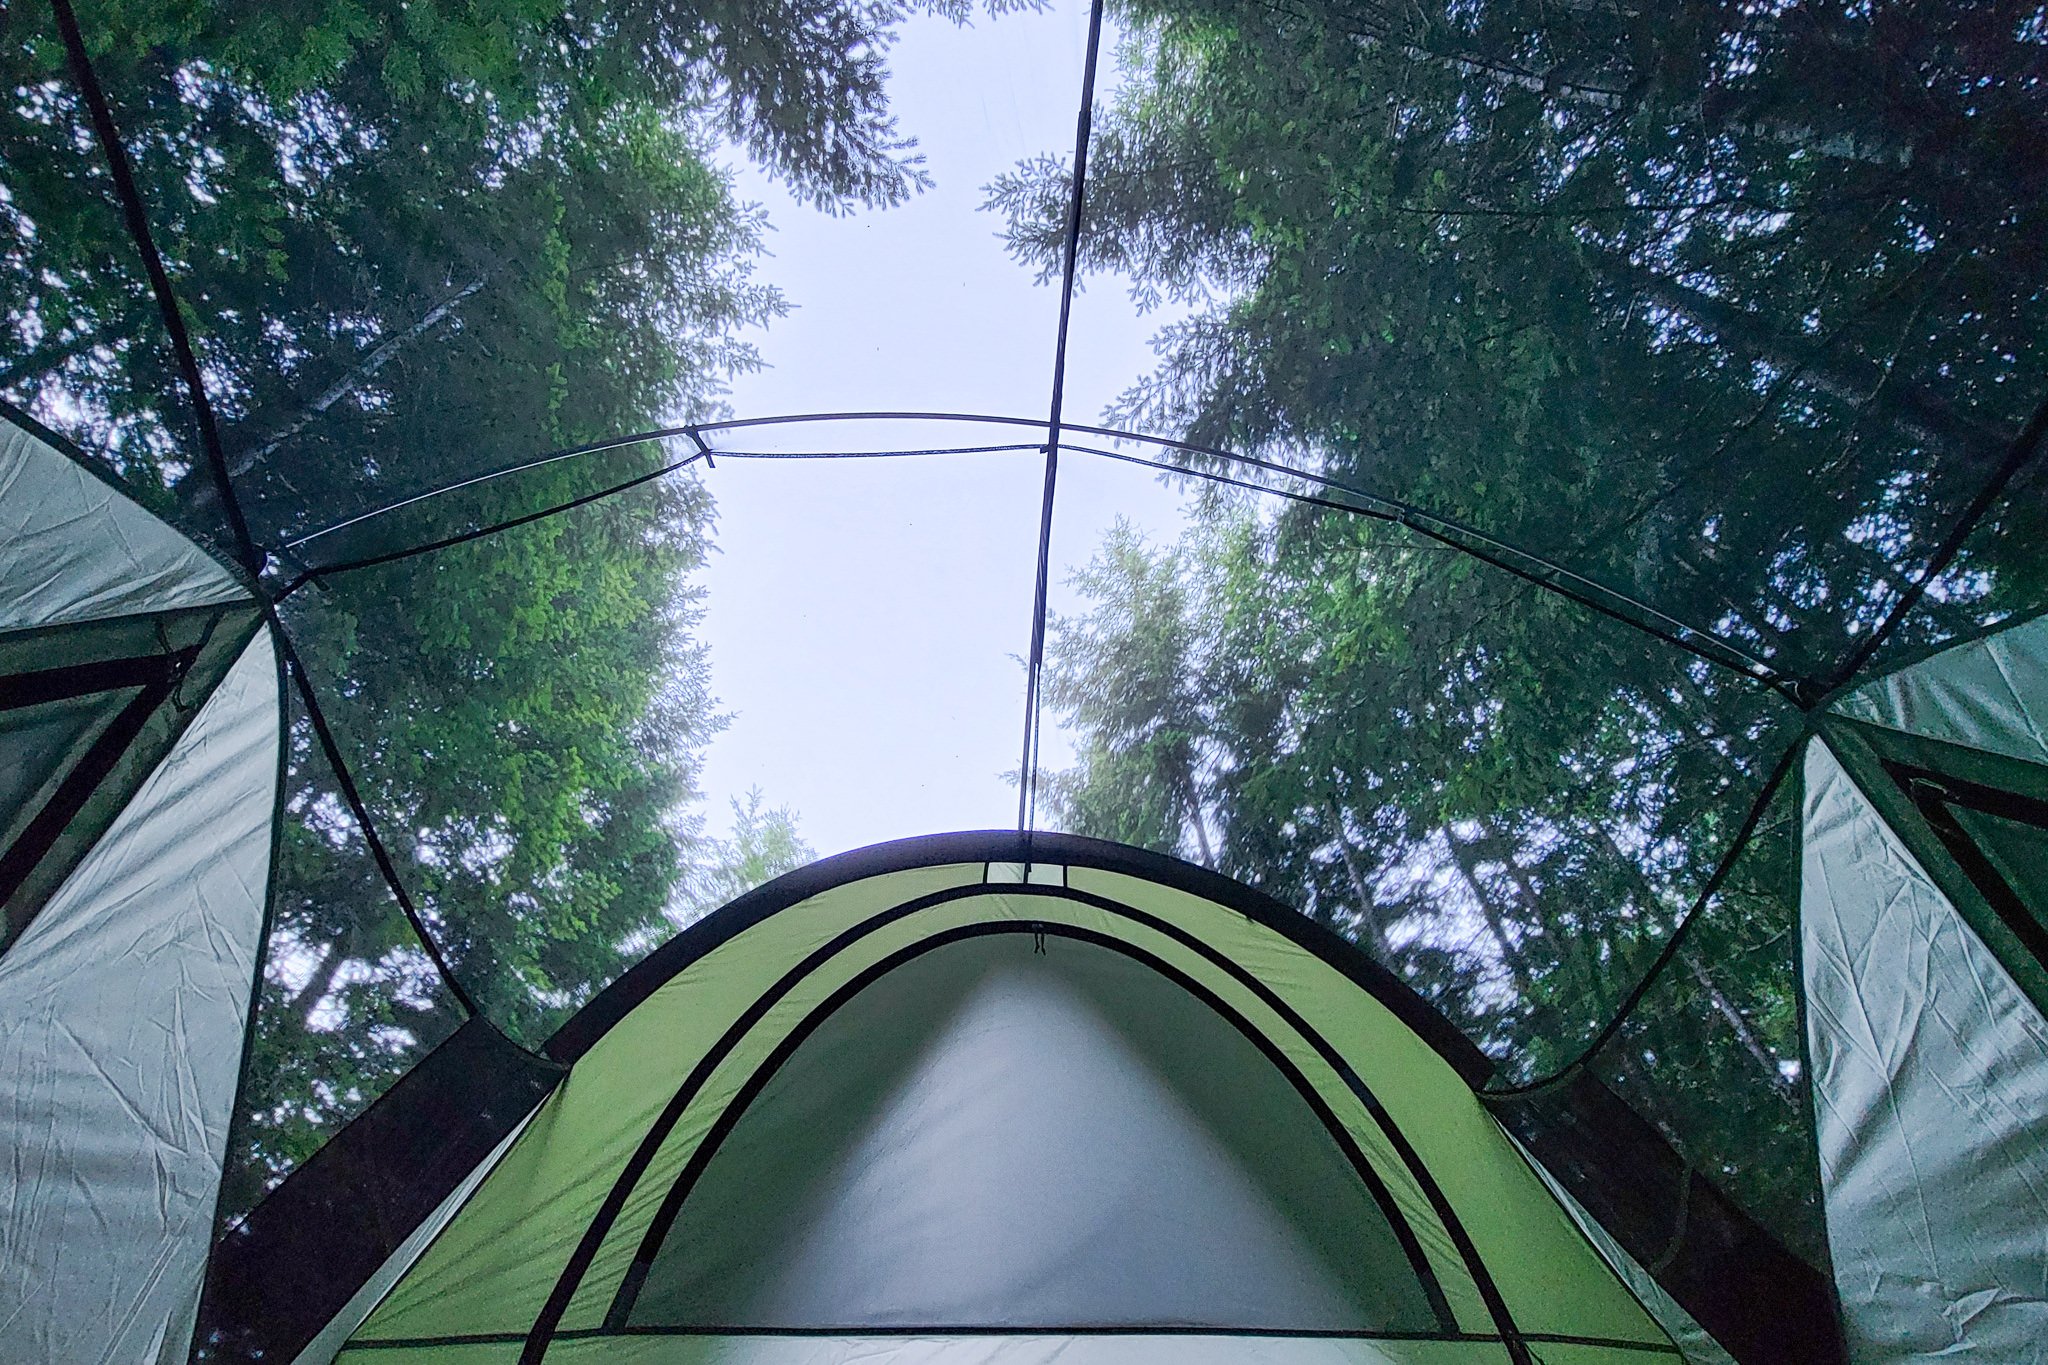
x=865 y=618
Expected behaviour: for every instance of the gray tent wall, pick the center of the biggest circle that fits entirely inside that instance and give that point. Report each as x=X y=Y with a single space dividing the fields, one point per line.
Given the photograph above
x=140 y=721
x=75 y=549
x=1924 y=994
x=1031 y=1135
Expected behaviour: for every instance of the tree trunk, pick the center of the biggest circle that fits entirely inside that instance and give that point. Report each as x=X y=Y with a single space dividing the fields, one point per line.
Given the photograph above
x=1203 y=851
x=1717 y=999
x=353 y=378
x=1853 y=381
x=1362 y=898
x=1766 y=1060
x=1512 y=957
x=321 y=984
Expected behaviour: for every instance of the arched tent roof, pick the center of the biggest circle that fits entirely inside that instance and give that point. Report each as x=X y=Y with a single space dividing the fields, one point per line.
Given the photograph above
x=673 y=1051
x=1651 y=682
x=700 y=1018
x=1009 y=848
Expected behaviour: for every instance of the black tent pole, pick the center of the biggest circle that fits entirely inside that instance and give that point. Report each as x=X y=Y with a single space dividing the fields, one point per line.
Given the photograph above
x=1027 y=784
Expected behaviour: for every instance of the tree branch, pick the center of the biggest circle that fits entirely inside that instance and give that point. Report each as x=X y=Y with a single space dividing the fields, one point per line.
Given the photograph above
x=373 y=360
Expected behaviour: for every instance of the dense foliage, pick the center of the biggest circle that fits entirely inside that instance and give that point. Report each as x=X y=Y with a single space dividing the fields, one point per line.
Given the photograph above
x=413 y=241
x=1731 y=308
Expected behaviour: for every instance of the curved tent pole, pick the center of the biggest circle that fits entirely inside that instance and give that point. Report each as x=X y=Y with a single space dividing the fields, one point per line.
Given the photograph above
x=1070 y=259
x=1541 y=571
x=504 y=471
x=316 y=572
x=136 y=216
x=1672 y=942
x=2024 y=448
x=1679 y=635
x=361 y=812
x=478 y=533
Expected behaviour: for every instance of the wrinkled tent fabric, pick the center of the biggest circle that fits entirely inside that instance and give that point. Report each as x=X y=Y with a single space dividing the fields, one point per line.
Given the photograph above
x=80 y=550
x=1989 y=694
x=1931 y=1060
x=125 y=999
x=1931 y=1077
x=1028 y=1136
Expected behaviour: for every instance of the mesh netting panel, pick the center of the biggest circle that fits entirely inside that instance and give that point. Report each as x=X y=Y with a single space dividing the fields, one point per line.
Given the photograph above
x=524 y=715
x=1684 y=300
x=578 y=733
x=1759 y=1301
x=279 y=1275
x=464 y=509
x=1504 y=796
x=1999 y=575
x=83 y=349
x=1712 y=1055
x=2018 y=851
x=416 y=246
x=349 y=1001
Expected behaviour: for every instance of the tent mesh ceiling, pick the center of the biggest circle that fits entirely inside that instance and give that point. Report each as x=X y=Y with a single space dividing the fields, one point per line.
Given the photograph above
x=1553 y=443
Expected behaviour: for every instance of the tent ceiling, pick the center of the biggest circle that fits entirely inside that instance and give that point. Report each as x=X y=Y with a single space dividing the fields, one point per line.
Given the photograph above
x=1548 y=466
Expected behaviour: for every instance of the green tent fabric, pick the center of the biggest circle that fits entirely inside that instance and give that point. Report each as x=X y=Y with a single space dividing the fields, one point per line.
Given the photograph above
x=1985 y=694
x=80 y=550
x=1922 y=940
x=590 y=1174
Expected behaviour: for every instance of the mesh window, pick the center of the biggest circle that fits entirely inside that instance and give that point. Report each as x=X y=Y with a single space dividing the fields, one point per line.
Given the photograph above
x=1508 y=798
x=1738 y=1280
x=583 y=731
x=1989 y=812
x=525 y=763
x=1713 y=1053
x=349 y=1001
x=280 y=1273
x=86 y=713
x=1738 y=373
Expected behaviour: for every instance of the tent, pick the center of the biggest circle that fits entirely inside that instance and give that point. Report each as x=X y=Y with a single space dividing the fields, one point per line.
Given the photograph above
x=927 y=1100
x=977 y=1096
x=300 y=1064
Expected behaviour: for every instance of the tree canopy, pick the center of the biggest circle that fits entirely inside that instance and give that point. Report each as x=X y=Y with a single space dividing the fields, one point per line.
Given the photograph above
x=1718 y=323
x=1731 y=310
x=413 y=242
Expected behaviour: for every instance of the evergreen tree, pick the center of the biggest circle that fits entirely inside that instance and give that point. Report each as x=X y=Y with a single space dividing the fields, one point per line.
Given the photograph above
x=415 y=241
x=1729 y=309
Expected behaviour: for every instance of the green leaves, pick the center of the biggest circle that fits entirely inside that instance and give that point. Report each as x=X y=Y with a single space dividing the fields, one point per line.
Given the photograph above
x=1649 y=294
x=415 y=241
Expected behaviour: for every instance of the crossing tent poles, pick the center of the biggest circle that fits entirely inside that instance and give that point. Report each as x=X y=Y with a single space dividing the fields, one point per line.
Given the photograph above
x=1014 y=1095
